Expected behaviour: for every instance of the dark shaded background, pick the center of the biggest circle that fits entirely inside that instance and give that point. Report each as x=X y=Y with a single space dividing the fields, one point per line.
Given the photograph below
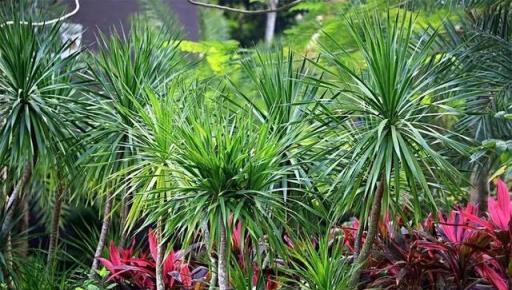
x=105 y=14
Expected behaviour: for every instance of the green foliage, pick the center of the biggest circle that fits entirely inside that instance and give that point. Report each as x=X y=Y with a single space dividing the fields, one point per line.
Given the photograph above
x=320 y=265
x=224 y=166
x=398 y=93
x=36 y=93
x=387 y=132
x=123 y=68
x=219 y=55
x=213 y=25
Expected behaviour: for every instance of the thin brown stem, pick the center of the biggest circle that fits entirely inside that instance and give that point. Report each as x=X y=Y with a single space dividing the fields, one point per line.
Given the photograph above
x=54 y=228
x=357 y=243
x=103 y=235
x=371 y=236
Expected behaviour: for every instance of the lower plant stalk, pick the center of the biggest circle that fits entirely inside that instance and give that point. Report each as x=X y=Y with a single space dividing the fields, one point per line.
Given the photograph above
x=371 y=236
x=9 y=261
x=222 y=259
x=54 y=230
x=358 y=241
x=159 y=257
x=103 y=235
x=213 y=261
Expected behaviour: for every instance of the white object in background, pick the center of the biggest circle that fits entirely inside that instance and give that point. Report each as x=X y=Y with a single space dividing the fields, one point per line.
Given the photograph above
x=71 y=33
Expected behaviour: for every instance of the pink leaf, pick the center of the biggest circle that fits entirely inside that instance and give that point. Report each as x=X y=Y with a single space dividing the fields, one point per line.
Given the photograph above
x=493 y=277
x=107 y=264
x=114 y=254
x=500 y=209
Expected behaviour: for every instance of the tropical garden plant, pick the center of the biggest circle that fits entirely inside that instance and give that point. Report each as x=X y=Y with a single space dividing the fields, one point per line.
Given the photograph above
x=366 y=147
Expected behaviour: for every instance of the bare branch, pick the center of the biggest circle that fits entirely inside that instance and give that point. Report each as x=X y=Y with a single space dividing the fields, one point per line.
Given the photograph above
x=52 y=21
x=244 y=11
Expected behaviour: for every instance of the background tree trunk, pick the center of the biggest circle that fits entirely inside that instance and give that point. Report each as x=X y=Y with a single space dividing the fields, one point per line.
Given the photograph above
x=371 y=236
x=54 y=227
x=103 y=235
x=271 y=21
x=222 y=259
x=480 y=187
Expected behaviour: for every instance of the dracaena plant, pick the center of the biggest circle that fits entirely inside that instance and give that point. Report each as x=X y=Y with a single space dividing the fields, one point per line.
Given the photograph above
x=279 y=95
x=120 y=72
x=153 y=128
x=391 y=145
x=226 y=169
x=37 y=102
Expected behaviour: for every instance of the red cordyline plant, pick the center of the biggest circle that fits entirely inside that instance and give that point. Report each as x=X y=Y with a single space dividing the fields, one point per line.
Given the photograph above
x=464 y=251
x=138 y=270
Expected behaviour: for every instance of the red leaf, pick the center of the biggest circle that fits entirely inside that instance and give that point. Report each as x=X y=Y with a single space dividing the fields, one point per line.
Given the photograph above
x=271 y=284
x=114 y=254
x=107 y=264
x=186 y=277
x=493 y=277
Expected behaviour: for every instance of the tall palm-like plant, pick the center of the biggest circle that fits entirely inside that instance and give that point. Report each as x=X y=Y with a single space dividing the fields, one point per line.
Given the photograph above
x=35 y=100
x=122 y=68
x=226 y=172
x=391 y=146
x=153 y=134
x=280 y=97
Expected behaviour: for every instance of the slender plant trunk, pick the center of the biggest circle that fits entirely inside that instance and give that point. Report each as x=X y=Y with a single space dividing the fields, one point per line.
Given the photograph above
x=15 y=195
x=9 y=261
x=103 y=235
x=159 y=257
x=270 y=26
x=9 y=215
x=54 y=227
x=480 y=187
x=359 y=239
x=213 y=261
x=222 y=259
x=371 y=236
